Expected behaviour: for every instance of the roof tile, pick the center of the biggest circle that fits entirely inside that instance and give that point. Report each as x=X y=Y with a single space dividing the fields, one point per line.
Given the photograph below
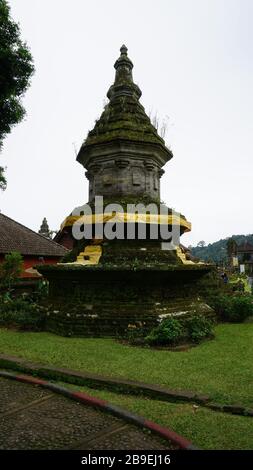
x=17 y=237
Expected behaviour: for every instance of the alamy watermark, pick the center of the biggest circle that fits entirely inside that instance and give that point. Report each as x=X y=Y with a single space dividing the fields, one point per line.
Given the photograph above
x=138 y=221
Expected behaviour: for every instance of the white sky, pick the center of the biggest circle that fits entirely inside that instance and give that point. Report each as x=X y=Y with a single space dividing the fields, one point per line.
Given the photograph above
x=193 y=62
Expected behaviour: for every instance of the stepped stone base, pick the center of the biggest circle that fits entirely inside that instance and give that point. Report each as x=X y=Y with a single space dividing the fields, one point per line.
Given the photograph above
x=94 y=301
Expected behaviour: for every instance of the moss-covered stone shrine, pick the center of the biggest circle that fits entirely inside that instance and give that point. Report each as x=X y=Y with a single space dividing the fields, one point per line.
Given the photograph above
x=105 y=286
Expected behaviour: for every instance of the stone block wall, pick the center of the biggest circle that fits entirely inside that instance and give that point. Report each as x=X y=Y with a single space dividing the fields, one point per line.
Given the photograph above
x=90 y=302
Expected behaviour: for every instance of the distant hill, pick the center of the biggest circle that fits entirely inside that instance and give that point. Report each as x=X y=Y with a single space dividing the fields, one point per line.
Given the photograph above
x=217 y=251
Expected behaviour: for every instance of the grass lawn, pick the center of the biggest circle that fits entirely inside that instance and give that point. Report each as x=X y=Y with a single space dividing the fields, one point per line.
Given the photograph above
x=222 y=368
x=205 y=428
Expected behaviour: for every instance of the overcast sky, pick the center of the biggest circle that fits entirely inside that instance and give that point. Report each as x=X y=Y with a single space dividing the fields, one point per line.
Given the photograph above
x=193 y=60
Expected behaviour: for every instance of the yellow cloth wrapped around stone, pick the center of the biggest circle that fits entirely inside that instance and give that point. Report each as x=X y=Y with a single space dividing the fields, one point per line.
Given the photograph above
x=126 y=217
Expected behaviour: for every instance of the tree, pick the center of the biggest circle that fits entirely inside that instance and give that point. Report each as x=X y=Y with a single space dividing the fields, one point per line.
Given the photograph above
x=11 y=268
x=201 y=244
x=3 y=181
x=16 y=69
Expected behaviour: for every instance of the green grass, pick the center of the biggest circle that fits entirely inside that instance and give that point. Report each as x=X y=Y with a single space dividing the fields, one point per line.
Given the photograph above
x=222 y=368
x=204 y=428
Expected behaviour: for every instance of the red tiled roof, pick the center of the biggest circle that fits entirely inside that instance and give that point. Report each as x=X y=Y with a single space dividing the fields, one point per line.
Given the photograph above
x=17 y=237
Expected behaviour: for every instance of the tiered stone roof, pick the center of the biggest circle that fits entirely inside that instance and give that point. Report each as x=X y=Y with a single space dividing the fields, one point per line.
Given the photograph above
x=123 y=117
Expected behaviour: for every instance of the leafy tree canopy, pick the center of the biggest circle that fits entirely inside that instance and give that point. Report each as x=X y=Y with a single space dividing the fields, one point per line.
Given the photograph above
x=16 y=69
x=218 y=251
x=10 y=269
x=3 y=181
x=201 y=243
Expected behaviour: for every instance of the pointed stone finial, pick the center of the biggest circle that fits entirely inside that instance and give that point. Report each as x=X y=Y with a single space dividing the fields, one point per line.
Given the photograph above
x=123 y=84
x=123 y=50
x=123 y=60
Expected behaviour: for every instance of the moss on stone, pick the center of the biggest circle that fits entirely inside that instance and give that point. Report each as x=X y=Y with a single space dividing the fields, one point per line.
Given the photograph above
x=57 y=268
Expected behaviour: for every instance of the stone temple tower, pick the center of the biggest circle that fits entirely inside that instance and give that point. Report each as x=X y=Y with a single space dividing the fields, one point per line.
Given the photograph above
x=104 y=284
x=124 y=154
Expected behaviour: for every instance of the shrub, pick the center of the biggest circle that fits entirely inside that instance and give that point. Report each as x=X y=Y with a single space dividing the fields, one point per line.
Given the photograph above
x=170 y=331
x=41 y=291
x=198 y=328
x=241 y=308
x=233 y=308
x=135 y=334
x=174 y=331
x=21 y=314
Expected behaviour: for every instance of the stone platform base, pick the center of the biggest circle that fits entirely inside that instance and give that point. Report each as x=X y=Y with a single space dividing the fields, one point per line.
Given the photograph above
x=94 y=301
